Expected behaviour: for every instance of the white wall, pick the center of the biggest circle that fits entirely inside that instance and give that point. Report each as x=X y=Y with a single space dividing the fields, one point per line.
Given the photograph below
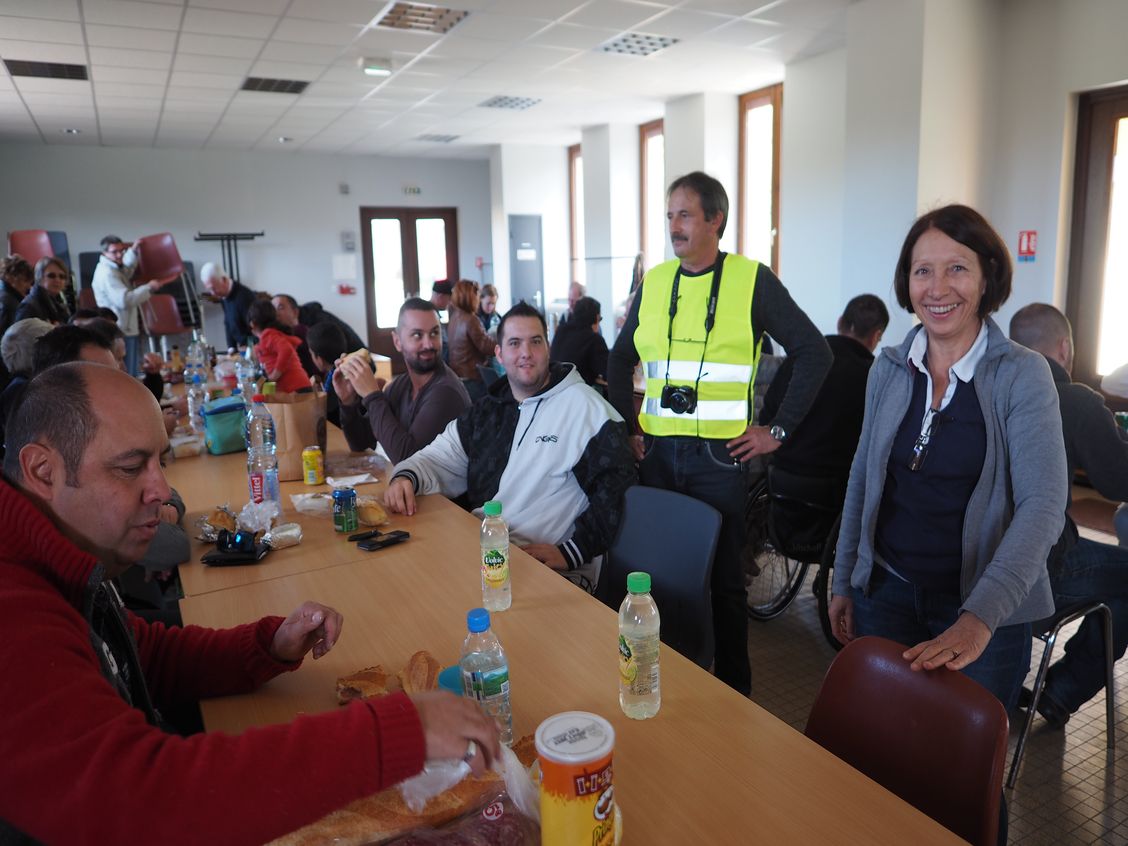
x=812 y=179
x=88 y=192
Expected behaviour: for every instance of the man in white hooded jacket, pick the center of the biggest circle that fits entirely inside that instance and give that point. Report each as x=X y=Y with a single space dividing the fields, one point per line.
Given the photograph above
x=541 y=441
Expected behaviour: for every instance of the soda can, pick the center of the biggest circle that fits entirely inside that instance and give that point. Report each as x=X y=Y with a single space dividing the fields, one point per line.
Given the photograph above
x=313 y=466
x=577 y=800
x=344 y=510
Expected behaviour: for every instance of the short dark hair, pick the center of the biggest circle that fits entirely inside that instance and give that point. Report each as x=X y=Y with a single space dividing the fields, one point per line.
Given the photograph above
x=106 y=329
x=521 y=309
x=262 y=314
x=1039 y=326
x=55 y=409
x=14 y=267
x=109 y=241
x=64 y=344
x=710 y=191
x=293 y=303
x=84 y=314
x=415 y=304
x=586 y=311
x=864 y=315
x=968 y=227
x=327 y=341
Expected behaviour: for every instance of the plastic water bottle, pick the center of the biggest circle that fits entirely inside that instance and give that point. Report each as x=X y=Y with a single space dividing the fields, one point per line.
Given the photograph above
x=639 y=693
x=245 y=374
x=262 y=462
x=197 y=396
x=485 y=672
x=497 y=594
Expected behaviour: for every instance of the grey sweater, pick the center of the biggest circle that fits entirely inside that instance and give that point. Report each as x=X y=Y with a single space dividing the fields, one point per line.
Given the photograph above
x=1017 y=508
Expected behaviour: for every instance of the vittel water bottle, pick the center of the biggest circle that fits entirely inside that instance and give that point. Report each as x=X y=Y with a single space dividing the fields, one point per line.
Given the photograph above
x=639 y=692
x=485 y=672
x=196 y=399
x=497 y=594
x=262 y=461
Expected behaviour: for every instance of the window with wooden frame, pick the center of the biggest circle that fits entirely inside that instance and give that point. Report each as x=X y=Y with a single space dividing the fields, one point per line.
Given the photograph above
x=576 y=212
x=652 y=192
x=758 y=193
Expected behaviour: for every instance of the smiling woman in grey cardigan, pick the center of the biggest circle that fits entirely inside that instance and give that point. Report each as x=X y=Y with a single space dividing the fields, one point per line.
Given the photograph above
x=957 y=491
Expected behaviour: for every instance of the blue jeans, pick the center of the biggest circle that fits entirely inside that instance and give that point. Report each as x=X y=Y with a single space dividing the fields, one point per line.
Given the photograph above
x=908 y=614
x=702 y=469
x=132 y=354
x=1090 y=572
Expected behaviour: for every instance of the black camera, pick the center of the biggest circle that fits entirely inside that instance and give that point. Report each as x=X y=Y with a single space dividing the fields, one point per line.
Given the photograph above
x=680 y=399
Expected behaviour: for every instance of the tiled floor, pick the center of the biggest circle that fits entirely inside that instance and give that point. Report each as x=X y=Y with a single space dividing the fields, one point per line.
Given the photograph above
x=1071 y=790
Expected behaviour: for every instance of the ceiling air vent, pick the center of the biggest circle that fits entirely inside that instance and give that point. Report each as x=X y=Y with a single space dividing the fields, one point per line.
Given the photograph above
x=421 y=18
x=46 y=70
x=501 y=102
x=274 y=86
x=437 y=139
x=637 y=44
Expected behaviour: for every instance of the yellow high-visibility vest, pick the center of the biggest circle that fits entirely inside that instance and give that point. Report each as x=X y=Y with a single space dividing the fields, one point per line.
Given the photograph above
x=727 y=363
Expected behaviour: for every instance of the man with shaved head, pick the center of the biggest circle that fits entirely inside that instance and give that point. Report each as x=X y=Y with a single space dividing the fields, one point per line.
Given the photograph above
x=85 y=680
x=1082 y=571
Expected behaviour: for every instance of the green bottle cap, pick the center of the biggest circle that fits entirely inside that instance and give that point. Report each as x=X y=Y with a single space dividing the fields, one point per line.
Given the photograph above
x=492 y=508
x=638 y=582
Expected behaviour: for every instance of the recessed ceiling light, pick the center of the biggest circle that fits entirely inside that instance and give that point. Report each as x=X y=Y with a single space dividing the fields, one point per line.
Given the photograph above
x=70 y=130
x=637 y=44
x=284 y=139
x=375 y=67
x=504 y=102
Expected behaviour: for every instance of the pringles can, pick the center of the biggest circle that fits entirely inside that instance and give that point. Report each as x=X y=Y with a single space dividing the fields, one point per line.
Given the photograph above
x=344 y=510
x=577 y=801
x=313 y=466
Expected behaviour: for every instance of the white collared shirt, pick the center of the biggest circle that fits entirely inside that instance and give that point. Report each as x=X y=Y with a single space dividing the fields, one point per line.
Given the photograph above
x=963 y=370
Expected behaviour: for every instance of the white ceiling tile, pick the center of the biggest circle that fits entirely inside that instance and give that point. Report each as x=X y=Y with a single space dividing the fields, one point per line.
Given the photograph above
x=56 y=10
x=238 y=24
x=130 y=89
x=186 y=93
x=615 y=14
x=453 y=47
x=337 y=89
x=219 y=45
x=538 y=56
x=111 y=103
x=729 y=7
x=261 y=7
x=101 y=73
x=340 y=11
x=129 y=58
x=316 y=32
x=397 y=40
x=443 y=67
x=545 y=9
x=211 y=64
x=289 y=51
x=286 y=70
x=38 y=29
x=31 y=84
x=498 y=27
x=809 y=14
x=129 y=37
x=224 y=82
x=574 y=36
x=127 y=13
x=58 y=102
x=40 y=52
x=741 y=33
x=683 y=23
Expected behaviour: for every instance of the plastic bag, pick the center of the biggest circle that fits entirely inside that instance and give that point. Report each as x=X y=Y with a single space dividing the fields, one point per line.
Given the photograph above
x=436 y=777
x=499 y=823
x=317 y=504
x=258 y=516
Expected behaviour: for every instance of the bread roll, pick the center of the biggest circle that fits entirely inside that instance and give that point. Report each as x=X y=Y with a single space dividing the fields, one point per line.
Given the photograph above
x=371 y=681
x=421 y=673
x=370 y=511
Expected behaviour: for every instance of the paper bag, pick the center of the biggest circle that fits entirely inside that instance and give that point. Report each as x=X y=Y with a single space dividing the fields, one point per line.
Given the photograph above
x=299 y=422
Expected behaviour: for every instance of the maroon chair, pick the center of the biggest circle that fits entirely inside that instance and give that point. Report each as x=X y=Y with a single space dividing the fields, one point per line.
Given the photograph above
x=937 y=739
x=158 y=258
x=30 y=244
x=161 y=317
x=86 y=299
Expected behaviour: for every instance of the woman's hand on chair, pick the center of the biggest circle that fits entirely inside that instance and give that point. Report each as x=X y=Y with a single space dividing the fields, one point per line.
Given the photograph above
x=841 y=613
x=955 y=648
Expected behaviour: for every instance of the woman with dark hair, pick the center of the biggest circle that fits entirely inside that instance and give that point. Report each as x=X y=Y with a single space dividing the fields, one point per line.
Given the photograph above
x=45 y=300
x=469 y=344
x=957 y=490
x=487 y=309
x=16 y=277
x=578 y=341
x=277 y=349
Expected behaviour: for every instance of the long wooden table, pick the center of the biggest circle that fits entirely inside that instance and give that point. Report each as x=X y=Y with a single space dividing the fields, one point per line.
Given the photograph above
x=712 y=767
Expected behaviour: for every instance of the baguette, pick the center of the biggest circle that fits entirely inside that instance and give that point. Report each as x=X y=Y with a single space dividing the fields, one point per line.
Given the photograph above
x=371 y=681
x=421 y=673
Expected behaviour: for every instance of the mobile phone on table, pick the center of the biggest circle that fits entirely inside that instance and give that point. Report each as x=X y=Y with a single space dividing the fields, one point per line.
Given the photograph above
x=361 y=536
x=390 y=539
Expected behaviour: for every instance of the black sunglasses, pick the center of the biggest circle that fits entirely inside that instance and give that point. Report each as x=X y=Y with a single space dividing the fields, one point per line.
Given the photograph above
x=920 y=448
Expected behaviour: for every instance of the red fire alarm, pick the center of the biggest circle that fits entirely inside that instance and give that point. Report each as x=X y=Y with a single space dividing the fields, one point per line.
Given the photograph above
x=1027 y=244
x=346 y=290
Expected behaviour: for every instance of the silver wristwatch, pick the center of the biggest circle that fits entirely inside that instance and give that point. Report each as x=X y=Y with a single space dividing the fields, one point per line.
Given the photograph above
x=779 y=433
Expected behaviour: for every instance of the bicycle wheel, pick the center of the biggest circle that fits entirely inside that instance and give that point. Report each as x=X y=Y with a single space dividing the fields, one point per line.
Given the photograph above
x=823 y=581
x=772 y=579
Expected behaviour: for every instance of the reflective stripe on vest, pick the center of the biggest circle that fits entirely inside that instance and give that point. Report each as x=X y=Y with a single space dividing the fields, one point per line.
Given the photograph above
x=724 y=390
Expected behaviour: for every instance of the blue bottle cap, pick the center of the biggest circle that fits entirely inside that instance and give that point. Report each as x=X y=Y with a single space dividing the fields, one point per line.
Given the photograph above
x=478 y=620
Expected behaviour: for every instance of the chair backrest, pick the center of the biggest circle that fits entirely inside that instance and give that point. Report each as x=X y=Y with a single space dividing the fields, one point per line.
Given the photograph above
x=158 y=259
x=86 y=298
x=672 y=537
x=162 y=316
x=937 y=739
x=30 y=244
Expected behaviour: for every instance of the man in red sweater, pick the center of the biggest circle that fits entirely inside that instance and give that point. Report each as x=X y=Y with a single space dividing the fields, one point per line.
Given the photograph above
x=85 y=757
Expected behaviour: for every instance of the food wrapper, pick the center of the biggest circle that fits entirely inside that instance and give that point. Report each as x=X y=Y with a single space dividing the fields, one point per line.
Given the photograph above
x=317 y=504
x=350 y=464
x=498 y=822
x=351 y=481
x=283 y=535
x=258 y=516
x=209 y=525
x=437 y=777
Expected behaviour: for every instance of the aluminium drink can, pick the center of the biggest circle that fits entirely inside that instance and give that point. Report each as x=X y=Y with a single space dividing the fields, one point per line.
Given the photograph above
x=313 y=466
x=344 y=510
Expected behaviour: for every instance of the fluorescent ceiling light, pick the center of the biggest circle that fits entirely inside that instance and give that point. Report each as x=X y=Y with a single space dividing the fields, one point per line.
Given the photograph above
x=376 y=67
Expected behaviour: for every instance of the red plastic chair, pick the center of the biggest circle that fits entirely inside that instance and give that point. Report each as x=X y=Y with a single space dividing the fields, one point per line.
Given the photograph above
x=158 y=258
x=86 y=299
x=30 y=244
x=161 y=317
x=937 y=739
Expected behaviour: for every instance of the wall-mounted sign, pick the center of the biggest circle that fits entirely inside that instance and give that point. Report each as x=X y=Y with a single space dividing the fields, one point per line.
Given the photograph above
x=1027 y=245
x=412 y=190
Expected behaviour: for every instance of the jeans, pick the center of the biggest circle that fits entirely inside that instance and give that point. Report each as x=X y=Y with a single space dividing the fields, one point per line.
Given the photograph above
x=702 y=469
x=908 y=614
x=1120 y=520
x=132 y=354
x=1090 y=572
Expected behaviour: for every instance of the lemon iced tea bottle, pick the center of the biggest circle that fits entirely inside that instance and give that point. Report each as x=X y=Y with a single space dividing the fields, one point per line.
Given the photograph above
x=639 y=693
x=496 y=591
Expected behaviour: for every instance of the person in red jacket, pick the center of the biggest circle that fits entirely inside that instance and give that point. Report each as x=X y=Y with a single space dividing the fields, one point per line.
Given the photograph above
x=85 y=757
x=277 y=349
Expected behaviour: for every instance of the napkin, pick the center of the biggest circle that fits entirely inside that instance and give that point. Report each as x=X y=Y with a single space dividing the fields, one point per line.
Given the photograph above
x=351 y=481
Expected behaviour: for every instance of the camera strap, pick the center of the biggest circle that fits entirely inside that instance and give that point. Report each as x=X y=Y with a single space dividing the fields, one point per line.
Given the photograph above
x=710 y=315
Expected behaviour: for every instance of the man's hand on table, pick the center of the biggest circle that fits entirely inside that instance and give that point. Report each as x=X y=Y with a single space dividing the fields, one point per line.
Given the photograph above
x=359 y=375
x=311 y=626
x=547 y=553
x=450 y=723
x=399 y=498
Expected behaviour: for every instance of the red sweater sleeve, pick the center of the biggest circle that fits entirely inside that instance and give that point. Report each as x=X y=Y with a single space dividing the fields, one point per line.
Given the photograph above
x=279 y=352
x=81 y=766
